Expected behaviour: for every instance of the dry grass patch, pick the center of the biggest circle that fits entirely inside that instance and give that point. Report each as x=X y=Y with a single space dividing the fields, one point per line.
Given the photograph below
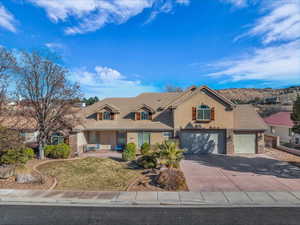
x=90 y=174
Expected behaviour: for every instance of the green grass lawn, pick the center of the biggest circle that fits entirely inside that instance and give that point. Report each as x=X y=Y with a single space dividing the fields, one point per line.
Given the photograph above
x=90 y=174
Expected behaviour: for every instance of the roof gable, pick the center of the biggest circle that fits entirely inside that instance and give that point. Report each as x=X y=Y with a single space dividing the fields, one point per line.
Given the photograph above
x=193 y=91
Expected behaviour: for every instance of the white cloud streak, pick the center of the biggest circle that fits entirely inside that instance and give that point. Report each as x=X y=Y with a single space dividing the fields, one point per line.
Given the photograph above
x=281 y=22
x=92 y=15
x=108 y=82
x=278 y=60
x=280 y=63
x=7 y=20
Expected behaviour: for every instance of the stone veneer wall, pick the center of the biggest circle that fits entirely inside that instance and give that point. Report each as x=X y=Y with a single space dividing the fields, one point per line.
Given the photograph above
x=260 y=142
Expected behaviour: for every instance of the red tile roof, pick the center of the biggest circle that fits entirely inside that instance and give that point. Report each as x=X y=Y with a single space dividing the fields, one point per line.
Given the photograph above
x=280 y=118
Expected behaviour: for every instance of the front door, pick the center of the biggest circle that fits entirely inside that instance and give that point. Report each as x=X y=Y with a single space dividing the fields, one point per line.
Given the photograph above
x=143 y=137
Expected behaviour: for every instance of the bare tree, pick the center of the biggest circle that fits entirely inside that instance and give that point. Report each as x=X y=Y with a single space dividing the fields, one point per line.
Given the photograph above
x=171 y=88
x=49 y=96
x=7 y=65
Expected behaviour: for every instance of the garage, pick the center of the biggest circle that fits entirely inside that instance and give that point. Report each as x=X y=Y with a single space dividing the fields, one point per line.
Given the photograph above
x=203 y=141
x=245 y=143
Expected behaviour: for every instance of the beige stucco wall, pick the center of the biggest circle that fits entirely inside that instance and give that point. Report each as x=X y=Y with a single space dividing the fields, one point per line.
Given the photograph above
x=183 y=113
x=282 y=132
x=157 y=137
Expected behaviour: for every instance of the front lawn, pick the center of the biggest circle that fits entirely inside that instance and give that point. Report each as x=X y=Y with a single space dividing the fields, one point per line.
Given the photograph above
x=90 y=174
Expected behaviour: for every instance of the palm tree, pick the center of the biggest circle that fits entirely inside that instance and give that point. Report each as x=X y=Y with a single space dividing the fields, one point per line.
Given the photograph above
x=170 y=155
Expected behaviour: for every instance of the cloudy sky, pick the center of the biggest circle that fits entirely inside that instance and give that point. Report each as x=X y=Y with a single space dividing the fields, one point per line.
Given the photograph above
x=125 y=47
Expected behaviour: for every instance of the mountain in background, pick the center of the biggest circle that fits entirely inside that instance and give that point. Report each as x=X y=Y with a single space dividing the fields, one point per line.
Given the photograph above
x=284 y=96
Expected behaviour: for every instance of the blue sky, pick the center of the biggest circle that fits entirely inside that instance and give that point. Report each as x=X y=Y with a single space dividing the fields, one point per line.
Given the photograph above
x=125 y=47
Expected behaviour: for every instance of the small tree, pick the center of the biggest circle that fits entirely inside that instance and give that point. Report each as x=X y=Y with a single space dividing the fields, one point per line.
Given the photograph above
x=90 y=100
x=295 y=116
x=49 y=95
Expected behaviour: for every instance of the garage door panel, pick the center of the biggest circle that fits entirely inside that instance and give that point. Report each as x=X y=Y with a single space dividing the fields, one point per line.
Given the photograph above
x=245 y=143
x=203 y=142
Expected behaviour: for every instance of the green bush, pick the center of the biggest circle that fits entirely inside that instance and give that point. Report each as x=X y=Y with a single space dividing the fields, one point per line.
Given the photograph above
x=148 y=161
x=17 y=156
x=129 y=153
x=145 y=149
x=60 y=151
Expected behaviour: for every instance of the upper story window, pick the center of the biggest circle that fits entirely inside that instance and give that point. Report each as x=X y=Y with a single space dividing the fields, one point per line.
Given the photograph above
x=106 y=115
x=204 y=112
x=145 y=115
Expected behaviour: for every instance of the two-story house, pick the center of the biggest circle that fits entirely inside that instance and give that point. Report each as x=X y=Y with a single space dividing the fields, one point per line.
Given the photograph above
x=201 y=119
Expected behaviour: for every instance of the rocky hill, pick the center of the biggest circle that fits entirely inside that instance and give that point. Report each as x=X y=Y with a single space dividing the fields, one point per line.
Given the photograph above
x=246 y=95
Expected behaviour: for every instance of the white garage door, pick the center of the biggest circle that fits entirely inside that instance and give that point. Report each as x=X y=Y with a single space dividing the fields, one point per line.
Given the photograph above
x=245 y=143
x=203 y=142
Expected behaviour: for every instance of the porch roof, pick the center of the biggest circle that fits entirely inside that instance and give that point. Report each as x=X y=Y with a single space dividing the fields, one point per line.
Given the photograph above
x=123 y=125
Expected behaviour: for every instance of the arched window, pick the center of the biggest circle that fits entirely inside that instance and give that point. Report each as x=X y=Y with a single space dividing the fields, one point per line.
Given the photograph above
x=203 y=112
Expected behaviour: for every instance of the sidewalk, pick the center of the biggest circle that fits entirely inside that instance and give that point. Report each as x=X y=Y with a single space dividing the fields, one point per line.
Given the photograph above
x=176 y=199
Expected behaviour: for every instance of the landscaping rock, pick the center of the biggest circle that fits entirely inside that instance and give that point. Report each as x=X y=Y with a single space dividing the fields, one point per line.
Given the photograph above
x=6 y=172
x=25 y=178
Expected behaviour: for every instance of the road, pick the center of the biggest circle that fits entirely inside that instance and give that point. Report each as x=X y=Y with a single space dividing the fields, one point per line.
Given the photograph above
x=147 y=215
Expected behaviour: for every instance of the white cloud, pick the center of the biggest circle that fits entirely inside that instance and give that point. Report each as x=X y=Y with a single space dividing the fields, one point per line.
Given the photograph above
x=108 y=82
x=276 y=63
x=92 y=15
x=281 y=22
x=54 y=46
x=184 y=2
x=237 y=3
x=7 y=20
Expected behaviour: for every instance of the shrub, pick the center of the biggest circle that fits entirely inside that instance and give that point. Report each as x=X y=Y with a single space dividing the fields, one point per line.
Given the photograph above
x=172 y=180
x=145 y=148
x=170 y=155
x=17 y=156
x=129 y=153
x=29 y=152
x=60 y=151
x=148 y=161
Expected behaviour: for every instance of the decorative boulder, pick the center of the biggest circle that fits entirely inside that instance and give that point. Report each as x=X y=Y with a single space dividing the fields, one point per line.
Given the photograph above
x=25 y=178
x=6 y=172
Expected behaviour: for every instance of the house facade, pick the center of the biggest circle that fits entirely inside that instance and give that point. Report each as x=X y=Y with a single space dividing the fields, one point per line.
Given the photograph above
x=280 y=124
x=201 y=119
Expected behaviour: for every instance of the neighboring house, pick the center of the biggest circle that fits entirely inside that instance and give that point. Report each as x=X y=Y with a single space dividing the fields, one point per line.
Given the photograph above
x=202 y=120
x=280 y=124
x=27 y=129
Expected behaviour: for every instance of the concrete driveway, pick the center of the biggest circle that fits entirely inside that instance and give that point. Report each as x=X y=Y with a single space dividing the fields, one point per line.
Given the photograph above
x=239 y=173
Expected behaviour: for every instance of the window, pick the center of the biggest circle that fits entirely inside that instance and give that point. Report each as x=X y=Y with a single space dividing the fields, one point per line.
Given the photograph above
x=143 y=137
x=106 y=115
x=57 y=138
x=167 y=135
x=297 y=141
x=144 y=115
x=204 y=113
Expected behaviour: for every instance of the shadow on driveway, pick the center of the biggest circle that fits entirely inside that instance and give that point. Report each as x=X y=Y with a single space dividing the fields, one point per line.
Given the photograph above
x=259 y=164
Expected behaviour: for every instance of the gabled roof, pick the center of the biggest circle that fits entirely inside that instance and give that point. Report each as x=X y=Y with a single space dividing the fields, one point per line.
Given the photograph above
x=193 y=90
x=280 y=119
x=150 y=109
x=109 y=106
